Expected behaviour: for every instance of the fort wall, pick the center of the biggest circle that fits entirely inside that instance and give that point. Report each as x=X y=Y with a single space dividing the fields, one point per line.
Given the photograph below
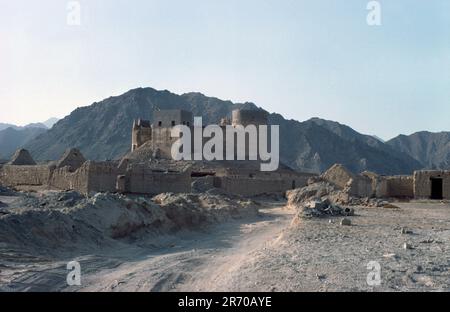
x=12 y=175
x=143 y=180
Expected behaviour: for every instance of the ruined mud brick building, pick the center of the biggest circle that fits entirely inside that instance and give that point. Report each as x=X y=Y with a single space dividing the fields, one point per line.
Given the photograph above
x=158 y=137
x=421 y=185
x=154 y=140
x=73 y=172
x=149 y=169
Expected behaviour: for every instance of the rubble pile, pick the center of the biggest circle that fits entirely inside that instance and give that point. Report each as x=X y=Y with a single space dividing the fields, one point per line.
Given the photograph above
x=319 y=199
x=317 y=209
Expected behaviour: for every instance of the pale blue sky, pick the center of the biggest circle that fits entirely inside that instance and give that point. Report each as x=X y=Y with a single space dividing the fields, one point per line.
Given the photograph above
x=315 y=58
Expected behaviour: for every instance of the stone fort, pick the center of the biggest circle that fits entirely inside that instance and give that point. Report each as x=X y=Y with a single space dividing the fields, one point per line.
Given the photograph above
x=149 y=169
x=157 y=135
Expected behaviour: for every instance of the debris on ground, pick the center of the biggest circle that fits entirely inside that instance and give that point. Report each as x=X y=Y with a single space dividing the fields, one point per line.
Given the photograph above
x=407 y=246
x=6 y=191
x=318 y=200
x=405 y=230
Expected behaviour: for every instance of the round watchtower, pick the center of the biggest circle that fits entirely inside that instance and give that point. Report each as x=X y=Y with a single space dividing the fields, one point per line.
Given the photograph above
x=247 y=117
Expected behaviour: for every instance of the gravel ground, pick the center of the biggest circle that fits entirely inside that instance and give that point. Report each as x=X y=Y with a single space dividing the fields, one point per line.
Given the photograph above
x=317 y=255
x=266 y=251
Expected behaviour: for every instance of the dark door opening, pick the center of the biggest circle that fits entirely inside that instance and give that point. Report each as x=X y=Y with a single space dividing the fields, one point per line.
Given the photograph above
x=437 y=190
x=293 y=184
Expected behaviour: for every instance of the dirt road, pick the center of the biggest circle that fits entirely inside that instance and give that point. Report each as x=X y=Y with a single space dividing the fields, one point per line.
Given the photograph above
x=190 y=261
x=197 y=262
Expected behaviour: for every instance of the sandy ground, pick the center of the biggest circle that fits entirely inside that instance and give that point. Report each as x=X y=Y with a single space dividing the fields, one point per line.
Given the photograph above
x=266 y=253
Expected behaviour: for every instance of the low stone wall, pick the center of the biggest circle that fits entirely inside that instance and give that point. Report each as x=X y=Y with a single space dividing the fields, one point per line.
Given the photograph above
x=11 y=175
x=422 y=183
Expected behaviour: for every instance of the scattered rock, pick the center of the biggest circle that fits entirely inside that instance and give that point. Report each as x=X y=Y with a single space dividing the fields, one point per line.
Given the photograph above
x=390 y=255
x=346 y=222
x=407 y=246
x=5 y=191
x=405 y=230
x=390 y=206
x=321 y=277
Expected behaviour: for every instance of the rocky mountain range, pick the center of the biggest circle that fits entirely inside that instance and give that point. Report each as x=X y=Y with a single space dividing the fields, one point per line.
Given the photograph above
x=430 y=149
x=103 y=131
x=13 y=137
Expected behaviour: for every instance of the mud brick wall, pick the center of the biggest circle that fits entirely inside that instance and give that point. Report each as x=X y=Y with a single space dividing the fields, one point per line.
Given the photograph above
x=361 y=186
x=101 y=176
x=381 y=187
x=141 y=180
x=64 y=179
x=12 y=176
x=400 y=186
x=422 y=183
x=339 y=176
x=251 y=186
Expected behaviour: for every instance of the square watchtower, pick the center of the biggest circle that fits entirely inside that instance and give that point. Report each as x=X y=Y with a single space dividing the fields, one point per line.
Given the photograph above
x=171 y=118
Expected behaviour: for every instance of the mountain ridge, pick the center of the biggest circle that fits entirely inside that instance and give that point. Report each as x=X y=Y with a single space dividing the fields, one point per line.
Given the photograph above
x=102 y=131
x=432 y=149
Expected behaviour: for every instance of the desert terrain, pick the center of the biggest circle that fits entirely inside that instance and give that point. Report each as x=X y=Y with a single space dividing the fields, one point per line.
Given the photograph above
x=208 y=242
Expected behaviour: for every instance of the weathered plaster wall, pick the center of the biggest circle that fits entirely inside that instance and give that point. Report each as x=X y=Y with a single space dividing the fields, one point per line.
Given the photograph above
x=422 y=183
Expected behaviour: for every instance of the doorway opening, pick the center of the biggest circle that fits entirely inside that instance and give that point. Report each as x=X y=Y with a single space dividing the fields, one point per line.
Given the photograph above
x=437 y=189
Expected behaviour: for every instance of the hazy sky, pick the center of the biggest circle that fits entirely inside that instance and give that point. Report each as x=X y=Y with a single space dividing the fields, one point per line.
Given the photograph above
x=315 y=58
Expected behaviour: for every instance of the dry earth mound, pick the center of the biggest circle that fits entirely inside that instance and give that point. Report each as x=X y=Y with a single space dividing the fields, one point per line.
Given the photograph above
x=52 y=222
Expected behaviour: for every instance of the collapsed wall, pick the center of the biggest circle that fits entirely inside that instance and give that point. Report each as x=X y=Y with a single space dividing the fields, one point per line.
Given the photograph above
x=355 y=185
x=65 y=179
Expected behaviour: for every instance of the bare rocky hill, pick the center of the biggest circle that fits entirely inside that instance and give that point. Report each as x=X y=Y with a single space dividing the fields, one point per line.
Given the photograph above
x=431 y=149
x=103 y=131
x=12 y=138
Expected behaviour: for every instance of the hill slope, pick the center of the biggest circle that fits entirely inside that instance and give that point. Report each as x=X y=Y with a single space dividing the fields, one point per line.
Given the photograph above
x=103 y=131
x=431 y=149
x=13 y=138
